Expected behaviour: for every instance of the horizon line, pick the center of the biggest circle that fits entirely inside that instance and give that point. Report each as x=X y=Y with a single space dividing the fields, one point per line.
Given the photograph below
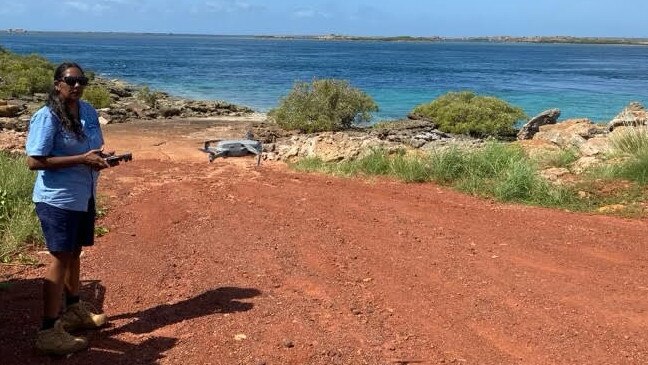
x=24 y=30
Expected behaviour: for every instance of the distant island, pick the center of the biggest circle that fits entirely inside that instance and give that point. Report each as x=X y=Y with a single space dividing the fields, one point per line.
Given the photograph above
x=497 y=39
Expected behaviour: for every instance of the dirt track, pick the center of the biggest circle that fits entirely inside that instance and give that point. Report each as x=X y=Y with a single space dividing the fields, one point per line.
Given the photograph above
x=232 y=264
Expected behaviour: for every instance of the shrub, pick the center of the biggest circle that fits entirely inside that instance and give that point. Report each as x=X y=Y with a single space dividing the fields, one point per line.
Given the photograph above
x=148 y=97
x=467 y=113
x=323 y=105
x=98 y=96
x=18 y=222
x=24 y=75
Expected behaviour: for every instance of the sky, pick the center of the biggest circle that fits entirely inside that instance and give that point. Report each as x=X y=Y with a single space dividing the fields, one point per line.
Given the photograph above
x=449 y=18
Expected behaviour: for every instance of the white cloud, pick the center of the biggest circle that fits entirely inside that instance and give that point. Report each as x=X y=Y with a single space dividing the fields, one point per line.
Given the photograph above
x=309 y=13
x=229 y=6
x=85 y=7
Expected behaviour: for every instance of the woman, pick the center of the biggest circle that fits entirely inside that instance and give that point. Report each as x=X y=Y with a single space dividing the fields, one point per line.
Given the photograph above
x=64 y=144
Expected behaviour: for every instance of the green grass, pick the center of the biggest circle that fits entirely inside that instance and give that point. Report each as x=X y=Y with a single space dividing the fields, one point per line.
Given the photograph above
x=18 y=222
x=630 y=141
x=631 y=145
x=563 y=158
x=498 y=170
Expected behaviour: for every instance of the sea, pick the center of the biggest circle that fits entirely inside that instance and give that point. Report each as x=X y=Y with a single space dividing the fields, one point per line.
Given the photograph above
x=582 y=80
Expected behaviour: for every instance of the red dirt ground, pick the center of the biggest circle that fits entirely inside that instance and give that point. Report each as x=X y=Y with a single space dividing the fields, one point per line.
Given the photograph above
x=227 y=263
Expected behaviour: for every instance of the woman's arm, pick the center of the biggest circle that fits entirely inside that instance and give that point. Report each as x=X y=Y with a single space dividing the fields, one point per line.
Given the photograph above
x=91 y=158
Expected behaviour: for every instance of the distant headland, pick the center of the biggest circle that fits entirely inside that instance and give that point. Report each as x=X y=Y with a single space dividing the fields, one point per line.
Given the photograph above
x=341 y=37
x=496 y=39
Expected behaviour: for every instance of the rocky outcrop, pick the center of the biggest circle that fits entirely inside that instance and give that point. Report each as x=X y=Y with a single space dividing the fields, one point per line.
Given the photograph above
x=575 y=134
x=633 y=115
x=126 y=106
x=348 y=145
x=533 y=126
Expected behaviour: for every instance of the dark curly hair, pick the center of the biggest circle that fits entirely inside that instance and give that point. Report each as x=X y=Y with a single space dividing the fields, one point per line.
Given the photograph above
x=59 y=108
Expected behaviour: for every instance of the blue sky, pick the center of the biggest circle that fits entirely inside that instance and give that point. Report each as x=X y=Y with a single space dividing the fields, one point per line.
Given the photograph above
x=620 y=18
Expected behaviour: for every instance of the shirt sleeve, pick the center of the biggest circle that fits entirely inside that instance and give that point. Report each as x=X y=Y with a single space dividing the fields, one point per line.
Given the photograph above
x=40 y=137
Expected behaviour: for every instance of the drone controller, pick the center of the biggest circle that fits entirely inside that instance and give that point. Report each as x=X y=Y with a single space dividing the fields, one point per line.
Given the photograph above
x=114 y=160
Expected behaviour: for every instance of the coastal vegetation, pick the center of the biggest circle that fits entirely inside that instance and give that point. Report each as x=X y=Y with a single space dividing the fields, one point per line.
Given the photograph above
x=148 y=97
x=26 y=75
x=630 y=146
x=504 y=172
x=23 y=75
x=467 y=113
x=18 y=222
x=498 y=170
x=323 y=105
x=98 y=96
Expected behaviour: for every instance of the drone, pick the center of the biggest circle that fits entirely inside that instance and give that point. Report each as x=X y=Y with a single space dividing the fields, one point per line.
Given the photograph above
x=233 y=148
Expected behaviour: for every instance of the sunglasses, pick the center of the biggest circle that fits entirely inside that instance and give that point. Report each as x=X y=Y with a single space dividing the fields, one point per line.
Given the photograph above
x=73 y=80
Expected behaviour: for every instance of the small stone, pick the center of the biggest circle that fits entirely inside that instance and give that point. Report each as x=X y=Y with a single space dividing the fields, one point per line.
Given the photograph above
x=287 y=343
x=356 y=311
x=240 y=337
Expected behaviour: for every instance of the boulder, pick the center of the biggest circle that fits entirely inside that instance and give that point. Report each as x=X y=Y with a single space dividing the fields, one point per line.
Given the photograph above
x=633 y=115
x=596 y=146
x=570 y=133
x=533 y=126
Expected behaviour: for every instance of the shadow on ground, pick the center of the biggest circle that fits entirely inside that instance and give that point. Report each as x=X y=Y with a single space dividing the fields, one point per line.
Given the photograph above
x=20 y=317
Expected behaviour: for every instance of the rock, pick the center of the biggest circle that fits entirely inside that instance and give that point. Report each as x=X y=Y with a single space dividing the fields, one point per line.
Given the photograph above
x=537 y=148
x=615 y=208
x=103 y=121
x=584 y=163
x=240 y=337
x=570 y=133
x=633 y=115
x=9 y=110
x=554 y=174
x=598 y=145
x=533 y=126
x=287 y=343
x=170 y=112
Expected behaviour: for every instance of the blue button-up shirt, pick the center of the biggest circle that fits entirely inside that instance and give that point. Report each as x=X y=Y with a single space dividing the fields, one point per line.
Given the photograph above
x=70 y=187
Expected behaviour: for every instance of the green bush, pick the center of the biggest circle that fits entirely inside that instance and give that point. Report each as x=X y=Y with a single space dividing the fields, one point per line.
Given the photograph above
x=18 y=221
x=148 y=97
x=323 y=105
x=467 y=113
x=24 y=75
x=98 y=96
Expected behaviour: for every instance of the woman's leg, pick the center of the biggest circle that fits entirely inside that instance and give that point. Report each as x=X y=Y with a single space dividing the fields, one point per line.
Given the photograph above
x=72 y=281
x=54 y=285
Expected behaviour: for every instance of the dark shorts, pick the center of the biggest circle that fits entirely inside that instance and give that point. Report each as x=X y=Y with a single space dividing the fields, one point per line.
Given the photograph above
x=66 y=230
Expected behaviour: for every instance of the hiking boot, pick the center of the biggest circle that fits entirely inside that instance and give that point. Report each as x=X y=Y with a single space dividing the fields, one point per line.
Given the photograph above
x=56 y=341
x=78 y=316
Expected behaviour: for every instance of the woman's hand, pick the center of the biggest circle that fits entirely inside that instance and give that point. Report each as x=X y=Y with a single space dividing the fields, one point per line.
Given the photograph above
x=94 y=159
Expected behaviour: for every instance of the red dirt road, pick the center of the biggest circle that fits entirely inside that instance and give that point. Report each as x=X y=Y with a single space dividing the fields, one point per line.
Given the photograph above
x=226 y=263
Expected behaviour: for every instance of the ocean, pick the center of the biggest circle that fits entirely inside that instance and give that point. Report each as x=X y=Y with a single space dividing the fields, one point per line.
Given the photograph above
x=583 y=81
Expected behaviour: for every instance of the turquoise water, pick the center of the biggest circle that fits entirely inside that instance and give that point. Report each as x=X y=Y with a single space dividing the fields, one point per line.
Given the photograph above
x=592 y=81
